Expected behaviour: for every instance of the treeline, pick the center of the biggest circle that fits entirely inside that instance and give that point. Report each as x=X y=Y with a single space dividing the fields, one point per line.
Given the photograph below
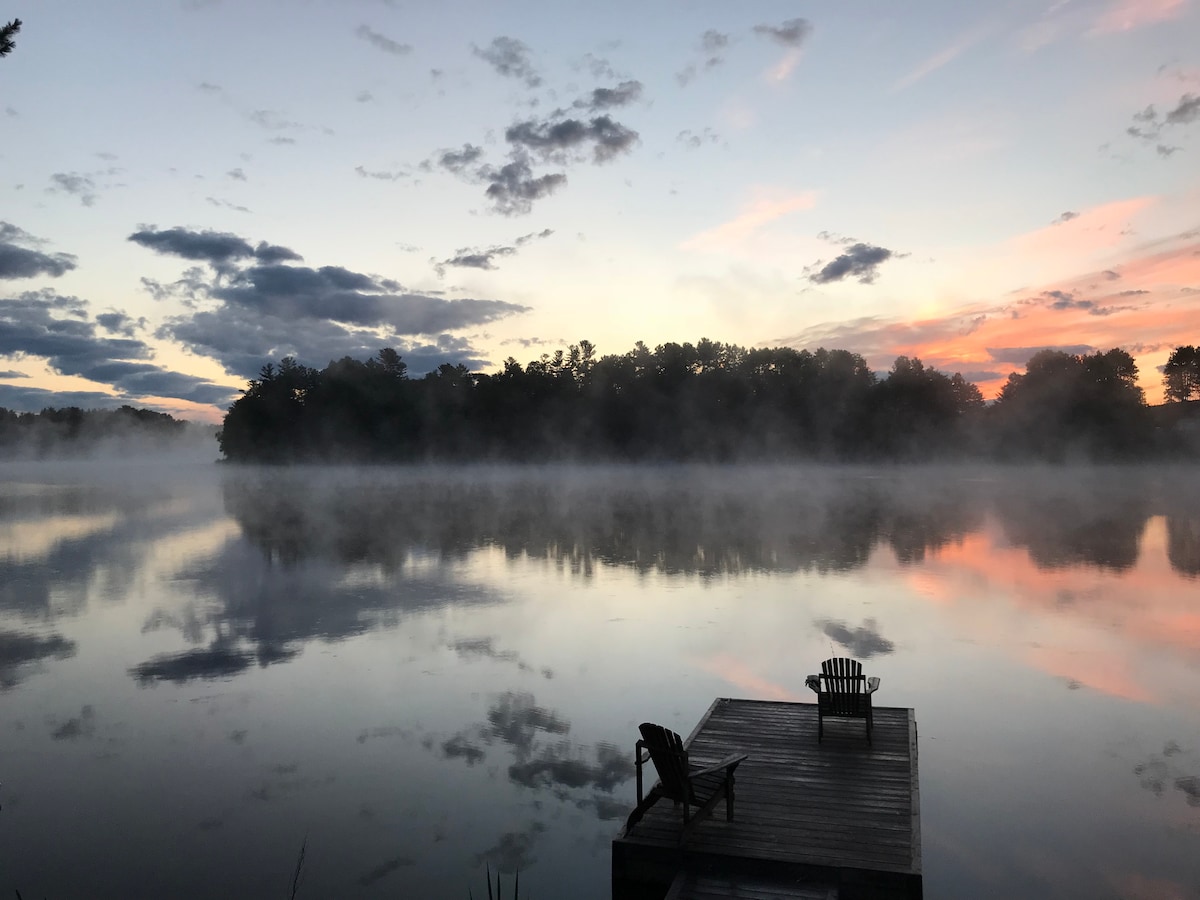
x=708 y=402
x=71 y=429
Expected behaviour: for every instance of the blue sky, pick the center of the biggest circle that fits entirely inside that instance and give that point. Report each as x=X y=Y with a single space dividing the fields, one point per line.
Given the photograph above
x=189 y=189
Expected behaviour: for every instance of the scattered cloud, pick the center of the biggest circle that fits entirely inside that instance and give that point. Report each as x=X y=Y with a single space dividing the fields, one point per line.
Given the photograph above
x=513 y=188
x=559 y=140
x=382 y=42
x=217 y=248
x=236 y=174
x=860 y=261
x=456 y=160
x=475 y=258
x=227 y=204
x=694 y=140
x=713 y=45
x=17 y=261
x=943 y=57
x=602 y=98
x=57 y=329
x=75 y=184
x=791 y=33
x=380 y=175
x=1065 y=217
x=510 y=58
x=255 y=308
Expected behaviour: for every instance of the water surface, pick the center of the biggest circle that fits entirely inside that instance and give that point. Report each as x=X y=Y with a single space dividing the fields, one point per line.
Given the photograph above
x=416 y=671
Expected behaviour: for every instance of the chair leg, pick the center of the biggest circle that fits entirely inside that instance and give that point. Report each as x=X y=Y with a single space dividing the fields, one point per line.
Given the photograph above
x=729 y=799
x=820 y=728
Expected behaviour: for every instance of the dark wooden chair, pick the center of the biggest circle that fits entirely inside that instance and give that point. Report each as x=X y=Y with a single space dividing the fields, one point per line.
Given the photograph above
x=843 y=693
x=685 y=783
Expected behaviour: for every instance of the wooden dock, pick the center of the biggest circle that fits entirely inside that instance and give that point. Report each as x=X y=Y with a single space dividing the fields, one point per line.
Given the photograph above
x=835 y=819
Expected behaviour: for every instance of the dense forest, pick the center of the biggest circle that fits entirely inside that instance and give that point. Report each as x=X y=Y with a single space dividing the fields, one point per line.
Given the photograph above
x=708 y=402
x=72 y=430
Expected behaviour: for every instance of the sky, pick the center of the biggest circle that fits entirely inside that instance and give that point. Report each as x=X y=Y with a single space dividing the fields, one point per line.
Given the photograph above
x=190 y=189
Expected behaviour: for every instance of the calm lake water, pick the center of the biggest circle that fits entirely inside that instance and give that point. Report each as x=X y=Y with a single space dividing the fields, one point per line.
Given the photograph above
x=414 y=671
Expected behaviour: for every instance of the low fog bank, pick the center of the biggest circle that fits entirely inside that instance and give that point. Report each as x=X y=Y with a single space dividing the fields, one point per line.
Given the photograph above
x=711 y=519
x=125 y=435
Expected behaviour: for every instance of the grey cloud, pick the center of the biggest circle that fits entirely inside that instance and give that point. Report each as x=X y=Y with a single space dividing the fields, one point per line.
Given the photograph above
x=862 y=642
x=209 y=88
x=382 y=42
x=474 y=258
x=364 y=97
x=555 y=140
x=1165 y=150
x=218 y=248
x=559 y=766
x=515 y=718
x=1132 y=293
x=513 y=852
x=510 y=58
x=214 y=247
x=379 y=175
x=45 y=325
x=119 y=323
x=791 y=33
x=282 y=140
x=860 y=261
x=30 y=399
x=1111 y=274
x=513 y=188
x=1021 y=355
x=82 y=725
x=1185 y=112
x=237 y=174
x=273 y=253
x=458 y=160
x=461 y=747
x=1065 y=217
x=76 y=184
x=1065 y=300
x=23 y=262
x=11 y=373
x=607 y=98
x=192 y=665
x=20 y=652
x=712 y=54
x=384 y=869
x=272 y=121
x=226 y=204
x=697 y=139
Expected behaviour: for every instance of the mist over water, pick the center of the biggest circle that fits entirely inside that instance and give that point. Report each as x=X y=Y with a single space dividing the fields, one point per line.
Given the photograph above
x=423 y=669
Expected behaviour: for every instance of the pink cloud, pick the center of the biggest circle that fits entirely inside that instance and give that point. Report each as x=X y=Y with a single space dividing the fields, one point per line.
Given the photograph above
x=763 y=210
x=943 y=57
x=1126 y=15
x=1139 y=305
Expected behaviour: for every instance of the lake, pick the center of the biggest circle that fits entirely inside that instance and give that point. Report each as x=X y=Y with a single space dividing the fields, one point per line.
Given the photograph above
x=411 y=672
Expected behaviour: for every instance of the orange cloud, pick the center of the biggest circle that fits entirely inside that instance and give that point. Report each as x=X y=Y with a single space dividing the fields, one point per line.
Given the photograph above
x=942 y=57
x=1146 y=304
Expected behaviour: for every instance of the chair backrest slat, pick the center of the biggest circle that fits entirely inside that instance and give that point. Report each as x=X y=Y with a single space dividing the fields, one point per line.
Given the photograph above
x=670 y=760
x=842 y=680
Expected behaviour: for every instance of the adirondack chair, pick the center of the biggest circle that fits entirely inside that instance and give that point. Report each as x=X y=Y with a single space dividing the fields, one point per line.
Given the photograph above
x=843 y=693
x=685 y=783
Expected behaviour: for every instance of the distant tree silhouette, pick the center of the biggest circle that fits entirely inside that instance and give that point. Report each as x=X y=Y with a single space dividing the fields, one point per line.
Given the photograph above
x=707 y=401
x=7 y=33
x=1181 y=374
x=1067 y=405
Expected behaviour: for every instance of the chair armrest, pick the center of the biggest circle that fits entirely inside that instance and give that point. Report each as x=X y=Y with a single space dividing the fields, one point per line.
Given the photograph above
x=872 y=684
x=730 y=762
x=813 y=683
